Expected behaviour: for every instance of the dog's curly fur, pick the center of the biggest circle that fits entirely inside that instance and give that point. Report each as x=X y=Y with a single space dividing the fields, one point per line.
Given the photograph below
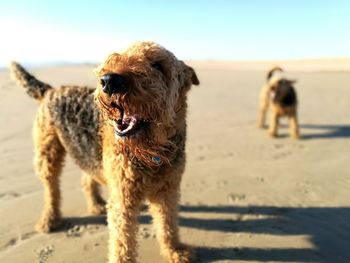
x=280 y=93
x=147 y=165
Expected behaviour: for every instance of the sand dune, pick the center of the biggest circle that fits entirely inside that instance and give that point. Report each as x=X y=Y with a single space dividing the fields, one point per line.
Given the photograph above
x=245 y=197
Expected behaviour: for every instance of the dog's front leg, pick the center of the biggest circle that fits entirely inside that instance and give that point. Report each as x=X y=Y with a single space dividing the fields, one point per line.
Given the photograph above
x=294 y=127
x=273 y=123
x=164 y=209
x=122 y=213
x=95 y=203
x=264 y=105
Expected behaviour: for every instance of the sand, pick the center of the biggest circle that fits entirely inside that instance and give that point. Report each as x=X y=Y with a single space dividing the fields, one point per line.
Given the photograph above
x=245 y=197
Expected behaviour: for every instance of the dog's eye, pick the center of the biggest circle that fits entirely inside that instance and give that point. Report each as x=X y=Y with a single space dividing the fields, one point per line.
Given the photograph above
x=158 y=66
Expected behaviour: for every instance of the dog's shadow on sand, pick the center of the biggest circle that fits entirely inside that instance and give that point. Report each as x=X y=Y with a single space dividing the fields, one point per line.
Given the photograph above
x=327 y=131
x=71 y=222
x=319 y=131
x=327 y=229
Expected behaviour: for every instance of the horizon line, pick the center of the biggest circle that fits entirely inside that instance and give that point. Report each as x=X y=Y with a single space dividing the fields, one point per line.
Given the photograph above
x=92 y=62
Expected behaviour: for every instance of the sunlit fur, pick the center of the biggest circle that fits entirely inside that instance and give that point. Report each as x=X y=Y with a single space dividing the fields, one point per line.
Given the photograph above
x=79 y=121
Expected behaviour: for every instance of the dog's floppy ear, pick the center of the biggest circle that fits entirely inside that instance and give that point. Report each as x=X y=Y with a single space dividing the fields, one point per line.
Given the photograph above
x=194 y=78
x=191 y=75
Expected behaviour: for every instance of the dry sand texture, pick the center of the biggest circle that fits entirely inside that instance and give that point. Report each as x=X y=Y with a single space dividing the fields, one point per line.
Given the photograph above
x=245 y=197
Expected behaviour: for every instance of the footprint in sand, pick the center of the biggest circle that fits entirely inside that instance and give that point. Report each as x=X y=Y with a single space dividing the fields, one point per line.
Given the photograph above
x=235 y=198
x=303 y=187
x=75 y=231
x=13 y=241
x=201 y=158
x=260 y=179
x=92 y=246
x=230 y=154
x=146 y=233
x=44 y=253
x=278 y=146
x=27 y=235
x=222 y=183
x=9 y=195
x=10 y=243
x=92 y=229
x=280 y=150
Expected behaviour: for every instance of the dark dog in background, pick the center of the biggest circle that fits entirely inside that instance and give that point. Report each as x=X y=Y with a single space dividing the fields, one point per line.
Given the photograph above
x=279 y=92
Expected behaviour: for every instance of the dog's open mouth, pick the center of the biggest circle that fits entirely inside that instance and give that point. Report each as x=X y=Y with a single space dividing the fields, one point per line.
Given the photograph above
x=128 y=124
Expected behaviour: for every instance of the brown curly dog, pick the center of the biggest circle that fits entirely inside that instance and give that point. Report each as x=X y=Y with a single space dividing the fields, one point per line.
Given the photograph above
x=129 y=134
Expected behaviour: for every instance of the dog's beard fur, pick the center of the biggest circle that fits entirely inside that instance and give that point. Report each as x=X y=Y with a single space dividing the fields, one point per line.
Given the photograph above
x=152 y=138
x=145 y=151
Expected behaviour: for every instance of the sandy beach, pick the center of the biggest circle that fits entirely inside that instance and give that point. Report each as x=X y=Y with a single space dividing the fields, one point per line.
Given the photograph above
x=245 y=197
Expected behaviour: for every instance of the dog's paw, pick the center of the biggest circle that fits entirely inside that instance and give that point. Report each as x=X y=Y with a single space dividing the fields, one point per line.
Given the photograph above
x=296 y=136
x=273 y=134
x=183 y=254
x=97 y=209
x=261 y=125
x=48 y=224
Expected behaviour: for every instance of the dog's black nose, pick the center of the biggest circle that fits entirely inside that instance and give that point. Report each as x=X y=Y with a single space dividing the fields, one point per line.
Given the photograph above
x=113 y=83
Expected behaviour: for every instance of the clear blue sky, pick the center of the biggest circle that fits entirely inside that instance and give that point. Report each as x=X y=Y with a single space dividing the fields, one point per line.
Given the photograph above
x=67 y=30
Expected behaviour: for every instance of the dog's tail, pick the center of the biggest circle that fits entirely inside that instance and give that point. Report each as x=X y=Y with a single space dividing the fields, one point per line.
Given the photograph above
x=35 y=88
x=272 y=71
